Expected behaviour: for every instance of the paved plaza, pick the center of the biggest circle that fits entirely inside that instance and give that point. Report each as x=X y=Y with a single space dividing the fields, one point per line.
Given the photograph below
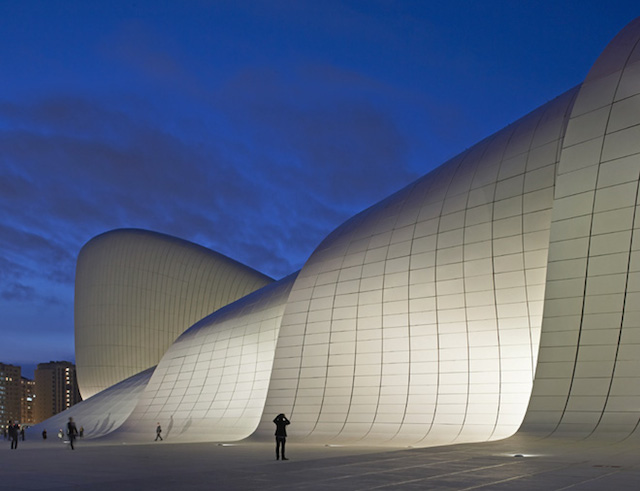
x=544 y=465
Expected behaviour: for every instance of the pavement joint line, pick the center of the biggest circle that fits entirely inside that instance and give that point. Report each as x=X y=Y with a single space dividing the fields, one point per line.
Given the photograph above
x=480 y=486
x=378 y=461
x=395 y=469
x=617 y=471
x=475 y=469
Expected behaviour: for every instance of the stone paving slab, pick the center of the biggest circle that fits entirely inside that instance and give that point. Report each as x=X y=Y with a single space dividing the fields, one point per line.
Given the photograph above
x=546 y=466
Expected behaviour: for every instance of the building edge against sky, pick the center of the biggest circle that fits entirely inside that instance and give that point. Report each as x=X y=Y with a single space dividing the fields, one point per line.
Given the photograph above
x=587 y=379
x=500 y=288
x=137 y=291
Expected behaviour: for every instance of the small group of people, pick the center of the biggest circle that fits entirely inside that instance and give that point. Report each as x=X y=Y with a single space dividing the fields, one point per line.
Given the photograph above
x=14 y=431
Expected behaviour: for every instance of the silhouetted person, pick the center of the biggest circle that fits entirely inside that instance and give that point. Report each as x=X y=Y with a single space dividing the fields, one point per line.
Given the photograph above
x=81 y=434
x=281 y=422
x=44 y=434
x=158 y=431
x=22 y=433
x=14 y=429
x=72 y=431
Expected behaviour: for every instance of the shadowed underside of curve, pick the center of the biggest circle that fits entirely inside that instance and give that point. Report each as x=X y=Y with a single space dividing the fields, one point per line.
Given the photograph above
x=101 y=414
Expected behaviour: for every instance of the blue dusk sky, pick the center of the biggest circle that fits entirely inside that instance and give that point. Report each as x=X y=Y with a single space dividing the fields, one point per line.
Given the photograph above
x=253 y=128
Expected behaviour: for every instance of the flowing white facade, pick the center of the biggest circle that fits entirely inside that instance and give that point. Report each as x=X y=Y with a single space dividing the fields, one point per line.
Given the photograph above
x=588 y=373
x=136 y=292
x=498 y=292
x=418 y=321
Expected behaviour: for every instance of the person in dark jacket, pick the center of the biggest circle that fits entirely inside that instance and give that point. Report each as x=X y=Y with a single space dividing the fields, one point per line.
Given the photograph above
x=281 y=423
x=72 y=431
x=14 y=430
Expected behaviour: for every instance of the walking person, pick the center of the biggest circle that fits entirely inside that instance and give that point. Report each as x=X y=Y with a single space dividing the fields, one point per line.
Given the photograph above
x=158 y=431
x=72 y=431
x=281 y=423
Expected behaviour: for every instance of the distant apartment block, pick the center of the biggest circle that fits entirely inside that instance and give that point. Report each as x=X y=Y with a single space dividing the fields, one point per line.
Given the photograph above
x=27 y=402
x=10 y=394
x=56 y=388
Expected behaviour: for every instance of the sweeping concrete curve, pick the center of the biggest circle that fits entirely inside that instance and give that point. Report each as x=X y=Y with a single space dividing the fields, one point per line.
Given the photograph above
x=500 y=291
x=587 y=379
x=136 y=292
x=213 y=381
x=101 y=414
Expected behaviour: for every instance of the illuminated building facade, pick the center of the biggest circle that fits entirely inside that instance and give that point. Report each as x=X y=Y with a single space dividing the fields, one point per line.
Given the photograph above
x=137 y=291
x=495 y=294
x=28 y=402
x=56 y=388
x=10 y=394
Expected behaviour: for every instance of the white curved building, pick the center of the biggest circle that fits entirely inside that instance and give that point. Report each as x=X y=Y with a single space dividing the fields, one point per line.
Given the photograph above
x=213 y=382
x=418 y=321
x=497 y=292
x=136 y=292
x=587 y=378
